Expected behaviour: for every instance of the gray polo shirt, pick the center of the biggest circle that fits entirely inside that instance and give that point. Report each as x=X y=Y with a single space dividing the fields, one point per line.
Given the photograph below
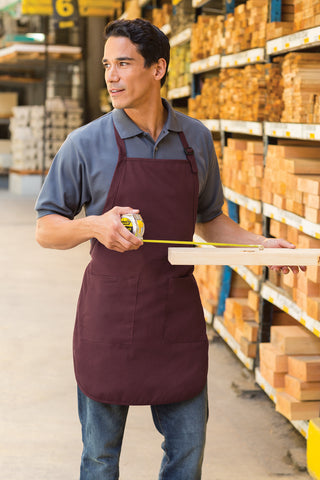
x=82 y=171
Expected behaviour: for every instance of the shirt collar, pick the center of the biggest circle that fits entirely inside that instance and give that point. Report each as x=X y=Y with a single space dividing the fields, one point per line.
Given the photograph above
x=127 y=128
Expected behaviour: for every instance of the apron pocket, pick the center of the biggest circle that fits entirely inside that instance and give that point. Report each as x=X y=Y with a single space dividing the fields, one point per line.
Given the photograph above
x=185 y=319
x=106 y=308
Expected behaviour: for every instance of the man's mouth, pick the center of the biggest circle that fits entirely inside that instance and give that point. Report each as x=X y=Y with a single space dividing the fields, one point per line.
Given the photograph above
x=115 y=91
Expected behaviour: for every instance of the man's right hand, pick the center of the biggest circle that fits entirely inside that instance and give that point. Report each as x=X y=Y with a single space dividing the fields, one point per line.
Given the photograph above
x=109 y=230
x=59 y=232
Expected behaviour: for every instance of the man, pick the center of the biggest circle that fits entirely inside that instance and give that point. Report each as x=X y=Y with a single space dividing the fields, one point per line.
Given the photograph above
x=140 y=334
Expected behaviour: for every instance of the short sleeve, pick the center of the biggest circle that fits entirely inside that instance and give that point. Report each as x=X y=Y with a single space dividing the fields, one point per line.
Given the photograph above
x=211 y=197
x=64 y=190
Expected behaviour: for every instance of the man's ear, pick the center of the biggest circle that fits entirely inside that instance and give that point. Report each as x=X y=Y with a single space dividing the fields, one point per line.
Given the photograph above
x=160 y=69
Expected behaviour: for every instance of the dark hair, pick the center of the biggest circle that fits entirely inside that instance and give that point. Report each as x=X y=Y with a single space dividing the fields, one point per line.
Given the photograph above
x=150 y=41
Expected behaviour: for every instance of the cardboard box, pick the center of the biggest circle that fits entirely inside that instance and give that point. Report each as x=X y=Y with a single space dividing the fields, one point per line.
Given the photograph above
x=8 y=100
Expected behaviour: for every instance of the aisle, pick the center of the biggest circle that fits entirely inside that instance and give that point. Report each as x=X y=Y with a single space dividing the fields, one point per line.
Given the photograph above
x=39 y=430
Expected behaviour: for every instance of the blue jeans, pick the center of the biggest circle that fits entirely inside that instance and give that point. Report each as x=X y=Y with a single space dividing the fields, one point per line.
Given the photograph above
x=183 y=426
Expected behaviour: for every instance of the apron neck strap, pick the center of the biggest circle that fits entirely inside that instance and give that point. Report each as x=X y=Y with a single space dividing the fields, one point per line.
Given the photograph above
x=120 y=143
x=189 y=152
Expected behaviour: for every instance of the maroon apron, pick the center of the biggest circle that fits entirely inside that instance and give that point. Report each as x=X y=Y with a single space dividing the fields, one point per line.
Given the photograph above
x=140 y=336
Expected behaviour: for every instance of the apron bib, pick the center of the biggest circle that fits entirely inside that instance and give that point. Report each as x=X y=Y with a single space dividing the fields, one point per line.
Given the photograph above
x=140 y=335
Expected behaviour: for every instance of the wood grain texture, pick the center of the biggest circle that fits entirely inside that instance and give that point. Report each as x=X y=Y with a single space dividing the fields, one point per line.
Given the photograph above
x=240 y=256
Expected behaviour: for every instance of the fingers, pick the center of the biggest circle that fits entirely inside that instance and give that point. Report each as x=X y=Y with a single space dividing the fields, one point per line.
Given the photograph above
x=115 y=235
x=286 y=269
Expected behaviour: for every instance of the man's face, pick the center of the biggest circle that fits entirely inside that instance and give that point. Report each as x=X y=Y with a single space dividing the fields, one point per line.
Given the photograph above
x=128 y=81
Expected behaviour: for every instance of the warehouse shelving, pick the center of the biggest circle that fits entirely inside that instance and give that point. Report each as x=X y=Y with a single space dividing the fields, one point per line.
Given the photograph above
x=282 y=300
x=206 y=64
x=246 y=57
x=300 y=131
x=181 y=38
x=223 y=332
x=300 y=425
x=296 y=41
x=253 y=205
x=289 y=218
x=180 y=92
x=238 y=126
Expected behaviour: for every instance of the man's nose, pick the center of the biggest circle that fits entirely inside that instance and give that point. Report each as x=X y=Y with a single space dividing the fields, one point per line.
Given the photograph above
x=112 y=74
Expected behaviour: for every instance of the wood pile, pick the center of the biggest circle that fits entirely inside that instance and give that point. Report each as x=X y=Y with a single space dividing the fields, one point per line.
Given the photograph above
x=303 y=289
x=161 y=16
x=207 y=37
x=252 y=93
x=208 y=278
x=179 y=75
x=182 y=16
x=292 y=180
x=241 y=319
x=301 y=87
x=246 y=27
x=206 y=105
x=290 y=363
x=286 y=25
x=306 y=14
x=242 y=169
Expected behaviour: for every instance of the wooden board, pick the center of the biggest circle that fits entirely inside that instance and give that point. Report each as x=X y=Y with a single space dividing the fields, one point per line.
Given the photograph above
x=305 y=368
x=295 y=410
x=294 y=340
x=302 y=391
x=241 y=256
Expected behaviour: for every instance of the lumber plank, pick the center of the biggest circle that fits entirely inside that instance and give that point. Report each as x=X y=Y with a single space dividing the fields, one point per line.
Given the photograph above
x=294 y=340
x=300 y=390
x=295 y=410
x=305 y=367
x=242 y=256
x=273 y=359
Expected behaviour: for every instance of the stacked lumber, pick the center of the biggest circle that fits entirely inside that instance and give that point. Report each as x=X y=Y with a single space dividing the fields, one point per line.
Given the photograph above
x=208 y=278
x=252 y=93
x=303 y=289
x=31 y=125
x=242 y=169
x=286 y=25
x=291 y=364
x=306 y=14
x=246 y=27
x=161 y=16
x=257 y=22
x=301 y=87
x=250 y=221
x=242 y=321
x=207 y=37
x=274 y=83
x=179 y=75
x=292 y=179
x=182 y=16
x=206 y=105
x=218 y=150
x=235 y=31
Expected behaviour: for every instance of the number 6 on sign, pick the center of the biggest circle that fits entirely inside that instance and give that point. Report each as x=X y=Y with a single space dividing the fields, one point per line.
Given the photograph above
x=64 y=8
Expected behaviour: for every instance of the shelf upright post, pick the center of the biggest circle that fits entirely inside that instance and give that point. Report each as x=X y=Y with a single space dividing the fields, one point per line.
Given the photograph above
x=275 y=10
x=233 y=210
x=230 y=4
x=46 y=74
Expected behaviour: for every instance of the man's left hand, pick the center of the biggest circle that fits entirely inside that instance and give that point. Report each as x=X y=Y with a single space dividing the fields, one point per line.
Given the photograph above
x=281 y=243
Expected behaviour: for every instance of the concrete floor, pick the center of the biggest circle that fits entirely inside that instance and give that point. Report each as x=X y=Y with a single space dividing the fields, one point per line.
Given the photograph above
x=39 y=429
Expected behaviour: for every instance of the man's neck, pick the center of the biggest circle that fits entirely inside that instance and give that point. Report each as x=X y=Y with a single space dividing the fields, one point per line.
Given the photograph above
x=150 y=118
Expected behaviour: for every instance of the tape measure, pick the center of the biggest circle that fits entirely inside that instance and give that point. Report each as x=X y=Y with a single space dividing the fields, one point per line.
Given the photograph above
x=135 y=224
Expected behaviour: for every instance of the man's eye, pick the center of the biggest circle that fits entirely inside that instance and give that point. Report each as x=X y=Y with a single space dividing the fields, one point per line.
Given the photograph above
x=123 y=64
